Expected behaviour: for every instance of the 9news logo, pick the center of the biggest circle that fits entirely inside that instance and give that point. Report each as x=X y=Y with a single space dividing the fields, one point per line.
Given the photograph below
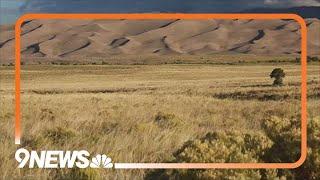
x=61 y=159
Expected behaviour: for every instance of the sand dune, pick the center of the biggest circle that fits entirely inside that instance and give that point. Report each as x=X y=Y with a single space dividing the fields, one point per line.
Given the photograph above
x=100 y=38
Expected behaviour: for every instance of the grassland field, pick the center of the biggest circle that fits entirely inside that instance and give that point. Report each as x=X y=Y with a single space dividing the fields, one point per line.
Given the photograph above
x=142 y=113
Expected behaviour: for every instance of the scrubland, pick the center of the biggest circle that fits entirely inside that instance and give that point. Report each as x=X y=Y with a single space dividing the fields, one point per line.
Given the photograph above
x=159 y=113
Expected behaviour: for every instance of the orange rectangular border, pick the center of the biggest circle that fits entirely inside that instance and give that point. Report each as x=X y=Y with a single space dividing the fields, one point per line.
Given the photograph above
x=159 y=16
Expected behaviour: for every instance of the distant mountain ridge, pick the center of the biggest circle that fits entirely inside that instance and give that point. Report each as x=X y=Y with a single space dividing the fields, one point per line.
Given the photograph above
x=303 y=11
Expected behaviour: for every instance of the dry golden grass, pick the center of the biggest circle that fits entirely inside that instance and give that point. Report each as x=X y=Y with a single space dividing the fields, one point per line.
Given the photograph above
x=140 y=113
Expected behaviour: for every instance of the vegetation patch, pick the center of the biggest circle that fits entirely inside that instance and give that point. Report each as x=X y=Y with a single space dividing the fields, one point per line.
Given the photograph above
x=77 y=173
x=59 y=135
x=166 y=120
x=94 y=91
x=286 y=135
x=280 y=143
x=256 y=95
x=47 y=114
x=219 y=147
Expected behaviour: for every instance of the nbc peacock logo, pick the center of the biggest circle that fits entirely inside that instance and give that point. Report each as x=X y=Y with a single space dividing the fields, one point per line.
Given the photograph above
x=101 y=161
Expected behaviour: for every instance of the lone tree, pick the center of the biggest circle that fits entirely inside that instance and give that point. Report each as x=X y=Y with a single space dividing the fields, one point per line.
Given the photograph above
x=278 y=74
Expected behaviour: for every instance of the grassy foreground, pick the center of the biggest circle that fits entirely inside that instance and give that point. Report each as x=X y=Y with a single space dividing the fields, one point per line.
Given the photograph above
x=142 y=113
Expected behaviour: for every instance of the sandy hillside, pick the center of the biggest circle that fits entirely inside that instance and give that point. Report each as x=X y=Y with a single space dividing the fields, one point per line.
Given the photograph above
x=99 y=38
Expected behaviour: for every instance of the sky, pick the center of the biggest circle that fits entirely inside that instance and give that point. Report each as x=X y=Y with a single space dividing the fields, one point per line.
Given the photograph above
x=10 y=10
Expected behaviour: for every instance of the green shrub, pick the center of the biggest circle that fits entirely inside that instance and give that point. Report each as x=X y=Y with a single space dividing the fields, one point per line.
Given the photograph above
x=278 y=75
x=225 y=147
x=286 y=135
x=310 y=169
x=220 y=147
x=280 y=143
